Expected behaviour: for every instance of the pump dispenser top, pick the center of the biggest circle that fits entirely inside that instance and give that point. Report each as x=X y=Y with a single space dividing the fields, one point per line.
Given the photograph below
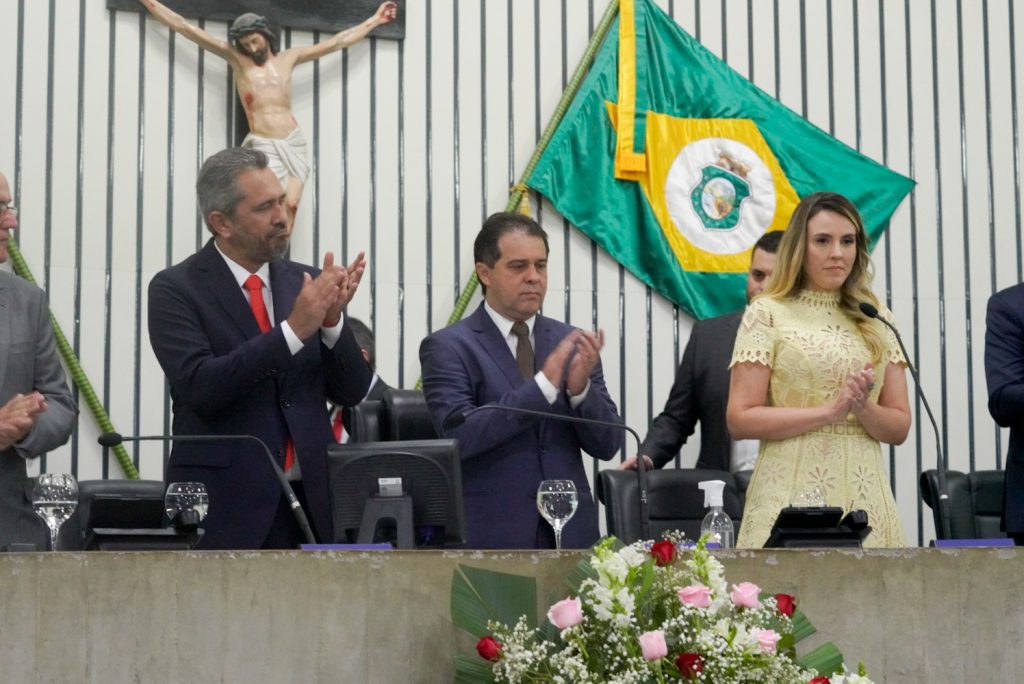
x=713 y=490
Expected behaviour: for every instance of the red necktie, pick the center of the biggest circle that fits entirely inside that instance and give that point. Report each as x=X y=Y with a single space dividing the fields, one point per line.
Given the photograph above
x=254 y=285
x=338 y=425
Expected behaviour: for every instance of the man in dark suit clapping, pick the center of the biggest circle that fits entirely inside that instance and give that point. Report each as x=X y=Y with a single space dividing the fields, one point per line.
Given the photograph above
x=507 y=354
x=254 y=344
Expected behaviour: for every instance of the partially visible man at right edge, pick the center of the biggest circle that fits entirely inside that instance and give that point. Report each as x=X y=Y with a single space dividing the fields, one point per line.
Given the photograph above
x=37 y=413
x=701 y=389
x=1004 y=373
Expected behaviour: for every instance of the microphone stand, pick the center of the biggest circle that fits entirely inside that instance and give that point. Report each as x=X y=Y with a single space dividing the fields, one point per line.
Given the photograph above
x=458 y=419
x=111 y=439
x=943 y=502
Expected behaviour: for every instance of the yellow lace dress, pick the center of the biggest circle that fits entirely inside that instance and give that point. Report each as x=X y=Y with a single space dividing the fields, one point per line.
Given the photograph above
x=811 y=346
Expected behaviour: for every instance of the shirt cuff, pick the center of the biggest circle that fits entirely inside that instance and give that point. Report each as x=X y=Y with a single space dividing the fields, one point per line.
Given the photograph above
x=549 y=391
x=291 y=339
x=576 y=400
x=330 y=336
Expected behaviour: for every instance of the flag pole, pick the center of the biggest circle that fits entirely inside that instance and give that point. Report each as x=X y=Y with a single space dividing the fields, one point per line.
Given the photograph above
x=75 y=368
x=519 y=189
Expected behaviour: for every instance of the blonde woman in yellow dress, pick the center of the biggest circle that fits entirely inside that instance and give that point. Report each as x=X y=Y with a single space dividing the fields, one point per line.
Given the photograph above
x=818 y=382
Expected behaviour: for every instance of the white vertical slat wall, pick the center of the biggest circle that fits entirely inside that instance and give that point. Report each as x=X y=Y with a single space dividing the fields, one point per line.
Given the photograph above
x=107 y=117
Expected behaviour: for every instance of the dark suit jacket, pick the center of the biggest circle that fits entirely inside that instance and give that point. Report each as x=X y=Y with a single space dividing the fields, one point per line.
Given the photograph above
x=228 y=378
x=505 y=455
x=376 y=392
x=700 y=393
x=1004 y=372
x=29 y=362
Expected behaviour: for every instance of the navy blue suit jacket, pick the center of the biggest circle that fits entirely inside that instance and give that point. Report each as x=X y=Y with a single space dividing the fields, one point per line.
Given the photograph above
x=1004 y=372
x=226 y=377
x=506 y=455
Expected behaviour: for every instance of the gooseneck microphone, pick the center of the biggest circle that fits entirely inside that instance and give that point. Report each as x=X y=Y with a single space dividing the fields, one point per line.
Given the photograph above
x=457 y=419
x=112 y=439
x=871 y=312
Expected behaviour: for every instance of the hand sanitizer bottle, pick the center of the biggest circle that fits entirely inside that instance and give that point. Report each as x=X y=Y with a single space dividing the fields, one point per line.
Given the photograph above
x=716 y=522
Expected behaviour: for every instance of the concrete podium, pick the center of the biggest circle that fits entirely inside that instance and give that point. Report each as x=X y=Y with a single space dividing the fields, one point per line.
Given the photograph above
x=914 y=615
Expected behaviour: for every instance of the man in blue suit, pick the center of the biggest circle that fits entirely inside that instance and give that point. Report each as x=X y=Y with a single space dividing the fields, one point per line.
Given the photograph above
x=254 y=344
x=1004 y=372
x=507 y=354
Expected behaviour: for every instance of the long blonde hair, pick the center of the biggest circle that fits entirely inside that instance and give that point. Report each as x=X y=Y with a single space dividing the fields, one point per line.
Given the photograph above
x=788 y=277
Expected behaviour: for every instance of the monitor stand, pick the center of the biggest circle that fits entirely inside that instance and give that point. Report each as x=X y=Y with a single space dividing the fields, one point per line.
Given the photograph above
x=382 y=509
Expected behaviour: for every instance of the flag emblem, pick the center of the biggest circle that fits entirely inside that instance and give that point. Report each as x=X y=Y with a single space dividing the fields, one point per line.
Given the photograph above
x=717 y=197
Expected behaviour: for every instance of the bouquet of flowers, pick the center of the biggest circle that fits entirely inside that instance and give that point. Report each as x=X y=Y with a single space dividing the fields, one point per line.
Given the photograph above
x=649 y=613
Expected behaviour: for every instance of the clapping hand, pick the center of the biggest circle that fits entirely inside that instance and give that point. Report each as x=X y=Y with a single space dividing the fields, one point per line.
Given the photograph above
x=18 y=416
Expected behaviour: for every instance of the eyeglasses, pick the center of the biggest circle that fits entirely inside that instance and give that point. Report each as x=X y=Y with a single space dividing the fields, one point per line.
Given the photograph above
x=7 y=206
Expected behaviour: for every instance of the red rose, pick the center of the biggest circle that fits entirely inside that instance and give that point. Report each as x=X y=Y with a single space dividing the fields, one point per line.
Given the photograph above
x=820 y=680
x=663 y=552
x=786 y=603
x=489 y=648
x=690 y=665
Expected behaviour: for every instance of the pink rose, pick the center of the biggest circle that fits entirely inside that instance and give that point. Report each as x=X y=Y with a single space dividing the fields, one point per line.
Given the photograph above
x=696 y=595
x=652 y=645
x=766 y=639
x=744 y=595
x=566 y=613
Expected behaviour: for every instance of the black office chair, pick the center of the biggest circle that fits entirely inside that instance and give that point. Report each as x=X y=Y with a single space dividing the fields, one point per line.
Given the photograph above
x=673 y=501
x=975 y=503
x=406 y=416
x=366 y=422
x=140 y=500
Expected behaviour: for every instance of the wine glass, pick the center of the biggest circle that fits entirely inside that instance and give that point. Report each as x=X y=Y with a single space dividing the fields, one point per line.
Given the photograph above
x=186 y=503
x=54 y=498
x=557 y=501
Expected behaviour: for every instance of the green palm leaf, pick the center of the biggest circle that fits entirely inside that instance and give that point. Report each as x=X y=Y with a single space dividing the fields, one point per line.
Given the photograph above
x=472 y=670
x=826 y=659
x=480 y=595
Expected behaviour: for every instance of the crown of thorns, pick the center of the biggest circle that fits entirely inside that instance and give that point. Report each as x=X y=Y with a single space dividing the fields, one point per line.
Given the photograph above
x=252 y=23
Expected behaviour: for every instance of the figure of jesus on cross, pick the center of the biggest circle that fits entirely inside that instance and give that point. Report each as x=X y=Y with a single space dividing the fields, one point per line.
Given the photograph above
x=263 y=77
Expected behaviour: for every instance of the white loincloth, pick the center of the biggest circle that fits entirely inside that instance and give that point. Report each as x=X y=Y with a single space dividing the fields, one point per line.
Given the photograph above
x=287 y=156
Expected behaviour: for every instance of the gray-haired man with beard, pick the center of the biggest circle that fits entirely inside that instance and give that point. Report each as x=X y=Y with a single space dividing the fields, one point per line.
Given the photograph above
x=263 y=77
x=254 y=344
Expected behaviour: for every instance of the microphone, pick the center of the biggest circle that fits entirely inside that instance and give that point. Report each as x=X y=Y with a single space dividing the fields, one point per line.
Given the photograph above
x=455 y=420
x=112 y=439
x=871 y=312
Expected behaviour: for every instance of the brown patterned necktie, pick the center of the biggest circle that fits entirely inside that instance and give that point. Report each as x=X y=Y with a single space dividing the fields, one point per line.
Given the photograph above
x=524 y=351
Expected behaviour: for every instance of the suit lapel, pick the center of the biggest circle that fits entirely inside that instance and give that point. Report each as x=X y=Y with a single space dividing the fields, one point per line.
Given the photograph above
x=285 y=283
x=223 y=288
x=544 y=339
x=491 y=341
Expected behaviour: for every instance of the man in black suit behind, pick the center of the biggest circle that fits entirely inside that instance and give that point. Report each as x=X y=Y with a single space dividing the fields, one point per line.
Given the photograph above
x=701 y=389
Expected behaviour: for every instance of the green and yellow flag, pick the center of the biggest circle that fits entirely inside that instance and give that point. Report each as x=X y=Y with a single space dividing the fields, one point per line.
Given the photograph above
x=676 y=165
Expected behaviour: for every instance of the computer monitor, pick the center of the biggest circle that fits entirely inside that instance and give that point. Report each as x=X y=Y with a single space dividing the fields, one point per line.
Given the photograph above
x=408 y=493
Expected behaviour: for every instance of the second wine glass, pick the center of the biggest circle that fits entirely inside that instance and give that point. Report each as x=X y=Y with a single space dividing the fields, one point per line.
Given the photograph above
x=54 y=498
x=557 y=501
